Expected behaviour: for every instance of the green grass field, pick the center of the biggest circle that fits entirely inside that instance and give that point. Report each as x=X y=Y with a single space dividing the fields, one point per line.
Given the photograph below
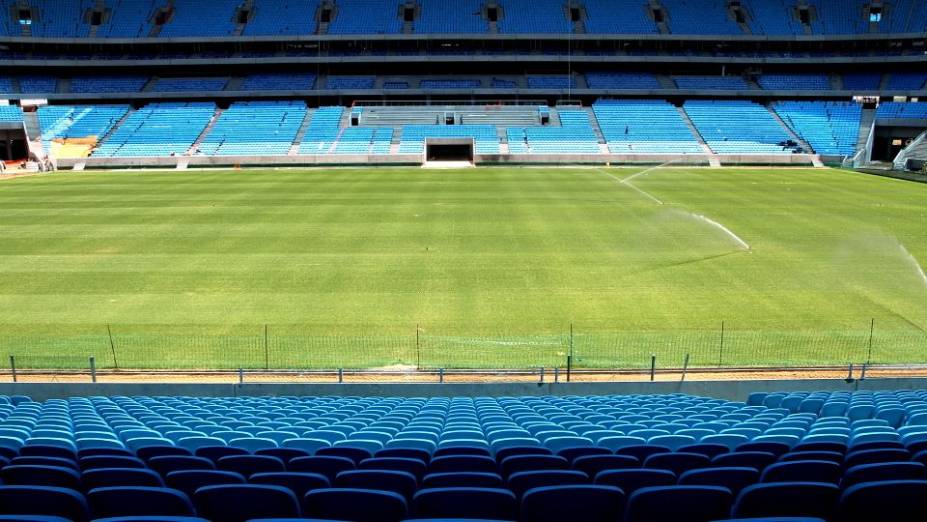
x=477 y=268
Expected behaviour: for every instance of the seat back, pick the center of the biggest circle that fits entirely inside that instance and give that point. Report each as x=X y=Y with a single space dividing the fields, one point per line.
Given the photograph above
x=690 y=503
x=885 y=500
x=573 y=502
x=43 y=500
x=487 y=503
x=364 y=505
x=120 y=477
x=787 y=499
x=139 y=501
x=242 y=502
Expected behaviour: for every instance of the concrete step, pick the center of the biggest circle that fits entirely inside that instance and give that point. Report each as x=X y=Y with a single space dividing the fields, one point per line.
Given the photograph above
x=301 y=133
x=206 y=131
x=865 y=126
x=795 y=137
x=119 y=123
x=693 y=129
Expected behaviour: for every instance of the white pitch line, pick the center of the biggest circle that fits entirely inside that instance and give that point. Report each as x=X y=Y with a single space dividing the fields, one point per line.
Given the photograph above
x=724 y=229
x=626 y=181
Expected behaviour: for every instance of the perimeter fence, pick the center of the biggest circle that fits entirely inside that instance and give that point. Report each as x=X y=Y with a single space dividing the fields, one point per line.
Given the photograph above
x=284 y=347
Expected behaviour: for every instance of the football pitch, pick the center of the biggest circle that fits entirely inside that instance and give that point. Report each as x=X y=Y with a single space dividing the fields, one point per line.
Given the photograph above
x=474 y=268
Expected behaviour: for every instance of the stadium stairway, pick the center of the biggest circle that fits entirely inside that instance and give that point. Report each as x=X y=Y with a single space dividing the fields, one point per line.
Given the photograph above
x=206 y=131
x=118 y=124
x=865 y=126
x=713 y=160
x=804 y=144
x=31 y=121
x=301 y=133
x=594 y=122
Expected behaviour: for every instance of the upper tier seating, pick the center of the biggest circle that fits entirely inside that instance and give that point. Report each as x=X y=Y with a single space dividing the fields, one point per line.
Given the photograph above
x=618 y=17
x=351 y=82
x=829 y=127
x=644 y=127
x=212 y=18
x=523 y=17
x=459 y=16
x=485 y=137
x=551 y=82
x=905 y=16
x=605 y=80
x=130 y=19
x=107 y=84
x=906 y=81
x=839 y=17
x=862 y=81
x=135 y=18
x=158 y=129
x=451 y=83
x=6 y=85
x=772 y=17
x=732 y=127
x=255 y=128
x=902 y=110
x=282 y=17
x=366 y=17
x=38 y=84
x=278 y=82
x=189 y=84
x=715 y=83
x=794 y=82
x=10 y=113
x=58 y=18
x=691 y=17
x=322 y=131
x=838 y=456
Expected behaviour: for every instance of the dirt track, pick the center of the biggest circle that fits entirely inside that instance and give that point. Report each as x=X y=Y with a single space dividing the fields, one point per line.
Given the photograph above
x=231 y=377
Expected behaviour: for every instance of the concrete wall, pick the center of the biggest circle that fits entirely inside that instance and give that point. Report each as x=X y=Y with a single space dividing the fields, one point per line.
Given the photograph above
x=417 y=159
x=730 y=390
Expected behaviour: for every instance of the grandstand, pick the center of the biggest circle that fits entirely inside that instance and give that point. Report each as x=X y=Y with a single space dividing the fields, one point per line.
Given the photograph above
x=843 y=456
x=485 y=260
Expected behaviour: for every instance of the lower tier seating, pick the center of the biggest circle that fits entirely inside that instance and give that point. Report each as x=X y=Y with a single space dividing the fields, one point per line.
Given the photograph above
x=832 y=456
x=644 y=127
x=829 y=127
x=622 y=126
x=738 y=127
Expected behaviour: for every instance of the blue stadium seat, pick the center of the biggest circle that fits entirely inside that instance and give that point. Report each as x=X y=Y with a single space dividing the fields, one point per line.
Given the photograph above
x=27 y=475
x=573 y=502
x=299 y=483
x=803 y=471
x=119 y=477
x=488 y=503
x=734 y=479
x=788 y=499
x=43 y=500
x=363 y=505
x=401 y=482
x=462 y=480
x=884 y=500
x=138 y=501
x=327 y=466
x=691 y=503
x=189 y=481
x=522 y=481
x=630 y=480
x=242 y=502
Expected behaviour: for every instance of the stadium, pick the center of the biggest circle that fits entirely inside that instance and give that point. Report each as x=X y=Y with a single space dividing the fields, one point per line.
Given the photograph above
x=483 y=260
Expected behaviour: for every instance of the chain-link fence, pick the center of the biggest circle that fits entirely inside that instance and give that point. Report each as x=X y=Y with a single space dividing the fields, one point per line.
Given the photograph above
x=282 y=347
